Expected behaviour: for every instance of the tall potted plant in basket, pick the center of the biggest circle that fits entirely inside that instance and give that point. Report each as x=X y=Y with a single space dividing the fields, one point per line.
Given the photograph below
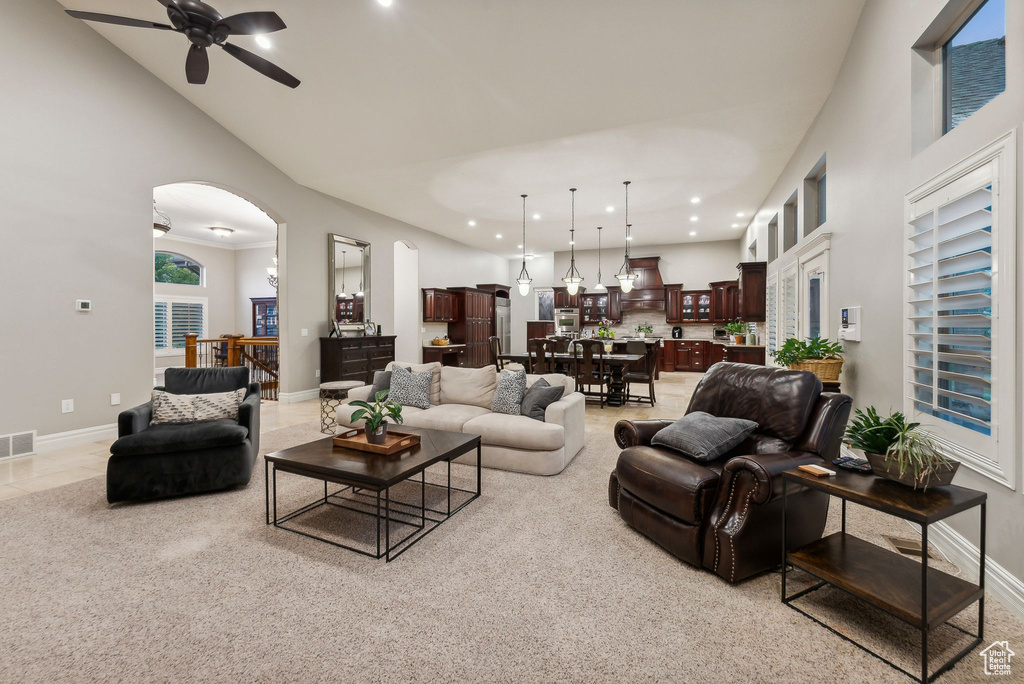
x=375 y=416
x=817 y=355
x=900 y=451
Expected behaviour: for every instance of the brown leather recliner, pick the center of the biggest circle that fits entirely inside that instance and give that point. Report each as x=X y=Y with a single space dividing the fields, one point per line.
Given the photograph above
x=726 y=515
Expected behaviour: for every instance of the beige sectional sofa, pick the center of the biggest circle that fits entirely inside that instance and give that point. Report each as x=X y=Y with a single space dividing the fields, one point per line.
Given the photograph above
x=460 y=401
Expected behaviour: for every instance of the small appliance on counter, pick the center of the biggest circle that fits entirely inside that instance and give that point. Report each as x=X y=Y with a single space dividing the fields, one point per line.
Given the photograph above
x=677 y=333
x=720 y=334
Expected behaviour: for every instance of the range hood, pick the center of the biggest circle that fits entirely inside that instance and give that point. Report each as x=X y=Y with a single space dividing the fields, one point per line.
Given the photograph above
x=648 y=293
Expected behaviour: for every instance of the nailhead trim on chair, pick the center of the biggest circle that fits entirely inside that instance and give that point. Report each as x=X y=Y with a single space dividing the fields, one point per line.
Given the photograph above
x=732 y=550
x=718 y=525
x=728 y=503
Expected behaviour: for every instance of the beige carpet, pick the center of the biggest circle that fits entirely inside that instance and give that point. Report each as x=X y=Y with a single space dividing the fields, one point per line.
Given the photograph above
x=538 y=580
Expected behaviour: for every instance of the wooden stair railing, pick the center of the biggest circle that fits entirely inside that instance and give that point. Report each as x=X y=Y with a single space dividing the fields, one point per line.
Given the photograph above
x=258 y=354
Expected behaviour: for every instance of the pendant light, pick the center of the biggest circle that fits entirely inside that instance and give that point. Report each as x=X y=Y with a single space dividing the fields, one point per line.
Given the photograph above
x=599 y=285
x=161 y=222
x=572 y=277
x=626 y=276
x=342 y=295
x=524 y=278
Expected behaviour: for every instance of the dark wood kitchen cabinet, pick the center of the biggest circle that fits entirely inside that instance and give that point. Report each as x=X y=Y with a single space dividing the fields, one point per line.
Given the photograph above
x=741 y=354
x=716 y=353
x=438 y=305
x=694 y=306
x=473 y=323
x=673 y=305
x=615 y=304
x=753 y=282
x=535 y=329
x=691 y=355
x=725 y=301
x=564 y=300
x=667 y=360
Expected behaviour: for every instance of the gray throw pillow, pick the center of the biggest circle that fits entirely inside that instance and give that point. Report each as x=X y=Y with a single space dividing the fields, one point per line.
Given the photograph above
x=410 y=389
x=538 y=397
x=381 y=382
x=509 y=393
x=702 y=436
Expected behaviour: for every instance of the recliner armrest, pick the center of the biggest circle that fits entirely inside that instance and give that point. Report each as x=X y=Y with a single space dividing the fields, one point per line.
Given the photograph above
x=638 y=432
x=134 y=419
x=767 y=471
x=249 y=417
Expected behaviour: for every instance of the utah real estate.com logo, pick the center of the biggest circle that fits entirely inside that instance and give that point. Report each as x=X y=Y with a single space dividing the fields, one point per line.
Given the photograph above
x=997 y=658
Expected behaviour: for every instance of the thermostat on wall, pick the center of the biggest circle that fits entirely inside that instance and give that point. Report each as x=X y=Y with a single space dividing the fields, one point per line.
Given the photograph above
x=83 y=305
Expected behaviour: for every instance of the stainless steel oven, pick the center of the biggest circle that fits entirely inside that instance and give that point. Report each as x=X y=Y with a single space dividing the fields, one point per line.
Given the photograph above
x=567 y=320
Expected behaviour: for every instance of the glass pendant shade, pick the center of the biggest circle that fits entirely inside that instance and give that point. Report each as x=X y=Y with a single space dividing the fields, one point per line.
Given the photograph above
x=572 y=284
x=626 y=281
x=524 y=278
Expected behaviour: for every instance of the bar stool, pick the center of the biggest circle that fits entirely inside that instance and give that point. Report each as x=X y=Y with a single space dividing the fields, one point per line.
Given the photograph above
x=332 y=394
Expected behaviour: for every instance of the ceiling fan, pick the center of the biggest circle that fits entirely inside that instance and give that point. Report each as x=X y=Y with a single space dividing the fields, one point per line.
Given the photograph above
x=204 y=26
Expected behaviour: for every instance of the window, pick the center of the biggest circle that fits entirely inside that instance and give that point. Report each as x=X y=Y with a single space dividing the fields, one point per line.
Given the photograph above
x=814 y=198
x=820 y=203
x=789 y=223
x=974 y=63
x=814 y=319
x=959 y=351
x=773 y=239
x=173 y=318
x=772 y=312
x=177 y=269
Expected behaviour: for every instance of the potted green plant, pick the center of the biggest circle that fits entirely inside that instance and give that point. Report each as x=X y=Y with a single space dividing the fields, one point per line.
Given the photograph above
x=900 y=451
x=644 y=329
x=375 y=416
x=817 y=355
x=738 y=330
x=604 y=329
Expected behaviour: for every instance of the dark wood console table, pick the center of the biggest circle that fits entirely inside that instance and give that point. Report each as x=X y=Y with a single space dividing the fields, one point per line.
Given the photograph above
x=923 y=597
x=355 y=358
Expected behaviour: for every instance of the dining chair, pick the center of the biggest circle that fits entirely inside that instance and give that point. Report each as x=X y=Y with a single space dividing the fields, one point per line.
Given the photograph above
x=540 y=351
x=588 y=367
x=646 y=375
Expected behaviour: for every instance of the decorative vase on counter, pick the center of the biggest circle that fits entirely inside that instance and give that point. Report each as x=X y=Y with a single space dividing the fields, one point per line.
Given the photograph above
x=738 y=339
x=641 y=335
x=751 y=338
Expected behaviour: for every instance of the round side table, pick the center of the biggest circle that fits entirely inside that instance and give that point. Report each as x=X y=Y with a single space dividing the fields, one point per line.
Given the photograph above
x=332 y=394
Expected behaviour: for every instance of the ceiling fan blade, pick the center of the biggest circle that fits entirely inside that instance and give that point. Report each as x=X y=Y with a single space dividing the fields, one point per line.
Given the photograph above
x=250 y=23
x=120 y=21
x=265 y=67
x=197 y=65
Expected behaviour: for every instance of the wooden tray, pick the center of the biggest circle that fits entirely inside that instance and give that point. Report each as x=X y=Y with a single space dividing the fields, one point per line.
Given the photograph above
x=394 y=442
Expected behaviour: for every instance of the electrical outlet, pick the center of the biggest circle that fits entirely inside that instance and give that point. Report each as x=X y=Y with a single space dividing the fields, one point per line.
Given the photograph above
x=318 y=372
x=67 y=405
x=423 y=328
x=305 y=332
x=115 y=399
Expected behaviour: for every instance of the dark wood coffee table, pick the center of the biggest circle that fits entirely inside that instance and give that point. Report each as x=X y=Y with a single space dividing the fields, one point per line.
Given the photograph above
x=920 y=596
x=360 y=472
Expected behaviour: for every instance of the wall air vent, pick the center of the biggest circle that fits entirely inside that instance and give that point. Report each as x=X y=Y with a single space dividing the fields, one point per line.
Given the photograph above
x=18 y=444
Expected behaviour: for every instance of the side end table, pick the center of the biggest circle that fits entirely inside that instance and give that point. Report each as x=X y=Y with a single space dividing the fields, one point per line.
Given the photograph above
x=332 y=394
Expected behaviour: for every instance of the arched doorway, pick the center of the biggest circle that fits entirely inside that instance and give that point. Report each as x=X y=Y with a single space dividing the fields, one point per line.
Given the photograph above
x=215 y=284
x=407 y=302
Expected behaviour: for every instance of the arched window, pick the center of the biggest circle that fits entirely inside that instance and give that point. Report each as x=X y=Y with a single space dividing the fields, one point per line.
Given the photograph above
x=177 y=268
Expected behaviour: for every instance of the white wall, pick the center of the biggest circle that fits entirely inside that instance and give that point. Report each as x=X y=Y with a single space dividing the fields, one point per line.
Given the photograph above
x=88 y=136
x=694 y=264
x=865 y=130
x=407 y=303
x=522 y=309
x=250 y=282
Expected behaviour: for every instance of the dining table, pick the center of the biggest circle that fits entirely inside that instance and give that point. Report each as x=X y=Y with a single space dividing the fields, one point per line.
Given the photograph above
x=615 y=363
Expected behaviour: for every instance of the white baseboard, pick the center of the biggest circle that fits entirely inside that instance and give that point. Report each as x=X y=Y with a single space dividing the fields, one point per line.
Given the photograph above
x=62 y=440
x=296 y=397
x=963 y=554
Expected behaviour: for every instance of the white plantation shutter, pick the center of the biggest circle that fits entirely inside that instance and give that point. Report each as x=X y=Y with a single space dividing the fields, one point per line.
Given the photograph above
x=960 y=356
x=789 y=303
x=186 y=317
x=160 y=328
x=772 y=307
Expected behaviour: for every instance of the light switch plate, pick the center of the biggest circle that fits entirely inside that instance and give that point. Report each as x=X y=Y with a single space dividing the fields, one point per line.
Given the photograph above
x=318 y=372
x=67 y=405
x=305 y=332
x=115 y=399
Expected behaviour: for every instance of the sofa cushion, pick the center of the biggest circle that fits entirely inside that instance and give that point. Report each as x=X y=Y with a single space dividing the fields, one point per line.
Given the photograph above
x=519 y=432
x=445 y=417
x=671 y=483
x=435 y=379
x=470 y=386
x=195 y=408
x=538 y=397
x=343 y=416
x=381 y=382
x=205 y=380
x=509 y=394
x=702 y=436
x=165 y=438
x=409 y=388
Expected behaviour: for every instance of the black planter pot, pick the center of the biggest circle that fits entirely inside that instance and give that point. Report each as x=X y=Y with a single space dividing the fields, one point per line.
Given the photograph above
x=377 y=437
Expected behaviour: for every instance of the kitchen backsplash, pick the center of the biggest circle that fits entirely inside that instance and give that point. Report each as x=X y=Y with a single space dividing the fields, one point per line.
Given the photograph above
x=656 y=319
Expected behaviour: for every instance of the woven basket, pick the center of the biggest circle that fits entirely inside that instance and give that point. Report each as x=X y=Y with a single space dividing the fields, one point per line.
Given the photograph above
x=827 y=370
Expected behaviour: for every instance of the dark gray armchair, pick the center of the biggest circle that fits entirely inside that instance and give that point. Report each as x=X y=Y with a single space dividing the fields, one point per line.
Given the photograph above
x=157 y=461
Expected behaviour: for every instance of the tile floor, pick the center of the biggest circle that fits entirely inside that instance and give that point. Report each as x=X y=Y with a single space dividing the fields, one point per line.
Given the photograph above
x=22 y=476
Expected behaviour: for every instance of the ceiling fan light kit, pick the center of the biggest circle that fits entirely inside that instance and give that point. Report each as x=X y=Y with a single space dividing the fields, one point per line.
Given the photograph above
x=205 y=27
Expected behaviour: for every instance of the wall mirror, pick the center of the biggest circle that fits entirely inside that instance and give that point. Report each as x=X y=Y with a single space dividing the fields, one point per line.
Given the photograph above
x=348 y=277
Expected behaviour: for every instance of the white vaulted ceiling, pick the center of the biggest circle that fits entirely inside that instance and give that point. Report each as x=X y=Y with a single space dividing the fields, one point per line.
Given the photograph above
x=441 y=112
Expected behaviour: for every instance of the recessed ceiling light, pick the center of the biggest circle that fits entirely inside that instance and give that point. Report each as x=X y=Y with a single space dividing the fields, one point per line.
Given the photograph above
x=735 y=225
x=471 y=223
x=263 y=42
x=739 y=215
x=385 y=3
x=695 y=200
x=220 y=231
x=498 y=236
x=519 y=246
x=609 y=208
x=536 y=217
x=693 y=218
x=692 y=233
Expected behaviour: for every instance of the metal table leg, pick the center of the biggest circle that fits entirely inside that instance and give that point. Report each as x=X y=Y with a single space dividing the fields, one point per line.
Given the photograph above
x=924 y=603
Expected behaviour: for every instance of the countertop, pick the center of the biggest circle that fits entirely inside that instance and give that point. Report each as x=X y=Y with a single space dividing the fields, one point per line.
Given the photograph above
x=427 y=345
x=724 y=343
